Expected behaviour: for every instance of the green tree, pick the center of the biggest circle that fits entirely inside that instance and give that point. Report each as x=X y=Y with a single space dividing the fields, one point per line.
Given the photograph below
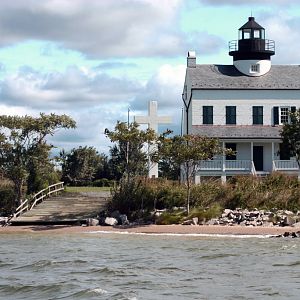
x=23 y=147
x=127 y=154
x=40 y=168
x=185 y=152
x=81 y=165
x=290 y=135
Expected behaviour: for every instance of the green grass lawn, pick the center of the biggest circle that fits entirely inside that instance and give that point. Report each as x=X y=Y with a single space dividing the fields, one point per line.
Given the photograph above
x=78 y=189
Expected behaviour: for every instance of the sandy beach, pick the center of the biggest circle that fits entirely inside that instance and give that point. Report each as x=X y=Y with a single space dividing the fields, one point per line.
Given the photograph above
x=152 y=229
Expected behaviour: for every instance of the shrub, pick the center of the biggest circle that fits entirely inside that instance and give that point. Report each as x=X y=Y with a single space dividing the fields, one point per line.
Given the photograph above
x=7 y=198
x=146 y=194
x=168 y=218
x=206 y=214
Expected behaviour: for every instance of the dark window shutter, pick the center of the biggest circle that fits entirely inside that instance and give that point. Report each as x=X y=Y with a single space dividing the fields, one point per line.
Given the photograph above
x=276 y=115
x=293 y=109
x=208 y=115
x=230 y=115
x=258 y=115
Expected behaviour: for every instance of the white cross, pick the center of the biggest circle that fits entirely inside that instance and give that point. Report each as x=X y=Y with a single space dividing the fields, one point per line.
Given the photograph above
x=153 y=120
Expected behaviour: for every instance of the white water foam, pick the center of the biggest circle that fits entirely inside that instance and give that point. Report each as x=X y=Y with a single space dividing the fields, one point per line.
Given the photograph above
x=240 y=236
x=99 y=291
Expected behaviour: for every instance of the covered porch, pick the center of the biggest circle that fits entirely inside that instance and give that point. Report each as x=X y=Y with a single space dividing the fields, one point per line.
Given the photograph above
x=255 y=157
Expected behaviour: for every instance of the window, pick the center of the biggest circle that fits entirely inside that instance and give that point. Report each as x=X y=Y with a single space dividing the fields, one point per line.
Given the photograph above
x=284 y=115
x=207 y=114
x=247 y=33
x=257 y=115
x=256 y=33
x=230 y=115
x=255 y=68
x=281 y=115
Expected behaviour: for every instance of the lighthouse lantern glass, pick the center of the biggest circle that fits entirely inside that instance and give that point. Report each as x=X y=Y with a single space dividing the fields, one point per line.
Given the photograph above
x=257 y=34
x=246 y=34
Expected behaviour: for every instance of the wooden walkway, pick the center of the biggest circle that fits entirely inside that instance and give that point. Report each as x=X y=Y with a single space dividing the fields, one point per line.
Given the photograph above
x=70 y=208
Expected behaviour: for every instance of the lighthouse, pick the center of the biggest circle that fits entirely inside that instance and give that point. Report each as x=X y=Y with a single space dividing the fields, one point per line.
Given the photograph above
x=252 y=52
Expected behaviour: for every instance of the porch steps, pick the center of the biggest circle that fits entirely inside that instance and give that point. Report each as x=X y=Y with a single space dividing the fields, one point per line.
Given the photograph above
x=70 y=208
x=262 y=174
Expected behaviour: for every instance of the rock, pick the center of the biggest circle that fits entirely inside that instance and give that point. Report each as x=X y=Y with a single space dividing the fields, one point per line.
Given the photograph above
x=297 y=225
x=253 y=223
x=110 y=221
x=288 y=213
x=195 y=220
x=123 y=220
x=231 y=216
x=187 y=222
x=213 y=222
x=267 y=224
x=92 y=222
x=227 y=212
x=243 y=223
x=294 y=235
x=288 y=221
x=254 y=214
x=3 y=220
x=265 y=218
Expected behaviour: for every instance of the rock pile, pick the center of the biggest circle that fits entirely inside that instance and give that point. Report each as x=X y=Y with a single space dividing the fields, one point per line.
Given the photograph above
x=113 y=219
x=255 y=217
x=3 y=221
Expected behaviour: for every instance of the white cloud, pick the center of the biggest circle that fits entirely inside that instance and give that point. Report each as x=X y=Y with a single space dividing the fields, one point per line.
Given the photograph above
x=283 y=29
x=76 y=88
x=119 y=28
x=246 y=2
x=94 y=100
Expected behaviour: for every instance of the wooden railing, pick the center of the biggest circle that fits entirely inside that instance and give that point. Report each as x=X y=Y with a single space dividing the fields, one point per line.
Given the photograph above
x=285 y=165
x=217 y=165
x=39 y=197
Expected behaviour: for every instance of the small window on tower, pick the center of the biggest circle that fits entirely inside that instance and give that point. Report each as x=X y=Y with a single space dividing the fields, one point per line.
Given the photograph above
x=255 y=68
x=247 y=34
x=256 y=34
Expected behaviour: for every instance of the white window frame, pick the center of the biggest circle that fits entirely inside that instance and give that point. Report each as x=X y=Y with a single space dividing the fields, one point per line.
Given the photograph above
x=284 y=112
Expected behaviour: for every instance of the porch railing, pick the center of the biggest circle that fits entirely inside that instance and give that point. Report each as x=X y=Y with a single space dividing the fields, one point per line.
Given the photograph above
x=227 y=165
x=285 y=165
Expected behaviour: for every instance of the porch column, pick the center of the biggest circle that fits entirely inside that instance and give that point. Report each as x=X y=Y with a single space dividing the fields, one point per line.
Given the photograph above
x=223 y=177
x=272 y=156
x=197 y=179
x=251 y=151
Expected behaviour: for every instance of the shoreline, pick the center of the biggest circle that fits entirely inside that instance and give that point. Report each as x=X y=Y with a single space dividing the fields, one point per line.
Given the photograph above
x=152 y=229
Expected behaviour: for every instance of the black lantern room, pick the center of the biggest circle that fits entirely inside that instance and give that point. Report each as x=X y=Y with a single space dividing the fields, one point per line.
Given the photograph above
x=252 y=44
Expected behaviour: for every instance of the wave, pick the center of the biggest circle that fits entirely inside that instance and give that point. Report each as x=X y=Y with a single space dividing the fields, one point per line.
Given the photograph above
x=242 y=236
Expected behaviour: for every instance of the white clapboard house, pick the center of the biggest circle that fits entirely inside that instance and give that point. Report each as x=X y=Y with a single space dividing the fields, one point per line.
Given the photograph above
x=244 y=105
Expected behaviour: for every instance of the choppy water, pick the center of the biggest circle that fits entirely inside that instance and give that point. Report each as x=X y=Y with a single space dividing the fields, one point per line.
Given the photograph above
x=111 y=266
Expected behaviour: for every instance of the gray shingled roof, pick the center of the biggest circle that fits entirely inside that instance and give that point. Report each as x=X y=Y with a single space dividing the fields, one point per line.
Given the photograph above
x=232 y=131
x=282 y=77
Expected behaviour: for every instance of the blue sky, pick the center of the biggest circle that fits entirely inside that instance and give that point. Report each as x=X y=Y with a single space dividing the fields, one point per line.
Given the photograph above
x=92 y=59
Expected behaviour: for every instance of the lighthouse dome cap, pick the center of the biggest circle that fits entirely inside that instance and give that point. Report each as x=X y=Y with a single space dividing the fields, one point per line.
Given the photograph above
x=251 y=24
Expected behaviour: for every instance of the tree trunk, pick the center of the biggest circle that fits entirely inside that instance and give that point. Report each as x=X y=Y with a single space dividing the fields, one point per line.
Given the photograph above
x=18 y=192
x=188 y=198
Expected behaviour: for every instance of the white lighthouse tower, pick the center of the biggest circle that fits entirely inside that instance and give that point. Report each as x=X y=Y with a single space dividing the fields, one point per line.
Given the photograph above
x=252 y=52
